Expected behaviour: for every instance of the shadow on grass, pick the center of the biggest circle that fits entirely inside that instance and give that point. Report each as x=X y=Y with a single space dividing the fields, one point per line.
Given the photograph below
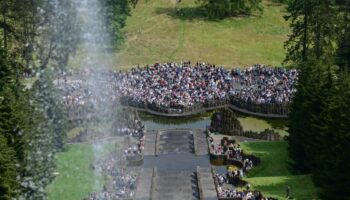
x=188 y=13
x=194 y=13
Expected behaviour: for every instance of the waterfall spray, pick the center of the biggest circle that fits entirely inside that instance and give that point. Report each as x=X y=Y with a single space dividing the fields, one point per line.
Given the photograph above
x=93 y=40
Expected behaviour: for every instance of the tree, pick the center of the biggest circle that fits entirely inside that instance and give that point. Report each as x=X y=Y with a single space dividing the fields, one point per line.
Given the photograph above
x=116 y=12
x=13 y=122
x=8 y=182
x=47 y=95
x=43 y=140
x=332 y=145
x=319 y=118
x=310 y=49
x=343 y=53
x=37 y=32
x=313 y=31
x=59 y=38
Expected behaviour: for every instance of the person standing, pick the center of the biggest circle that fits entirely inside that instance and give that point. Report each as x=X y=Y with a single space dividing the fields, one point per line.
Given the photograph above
x=287 y=191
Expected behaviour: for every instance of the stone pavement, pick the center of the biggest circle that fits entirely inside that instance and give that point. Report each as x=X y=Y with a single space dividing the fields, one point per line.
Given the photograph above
x=200 y=142
x=175 y=186
x=175 y=141
x=144 y=189
x=206 y=185
x=150 y=143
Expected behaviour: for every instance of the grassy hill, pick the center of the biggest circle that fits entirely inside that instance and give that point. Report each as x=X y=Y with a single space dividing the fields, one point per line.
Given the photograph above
x=155 y=33
x=272 y=176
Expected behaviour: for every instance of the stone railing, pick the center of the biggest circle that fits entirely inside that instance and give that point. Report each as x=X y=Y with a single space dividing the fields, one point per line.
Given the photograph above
x=255 y=109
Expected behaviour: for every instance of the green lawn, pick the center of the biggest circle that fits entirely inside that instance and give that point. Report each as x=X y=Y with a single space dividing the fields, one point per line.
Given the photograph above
x=272 y=176
x=76 y=179
x=154 y=33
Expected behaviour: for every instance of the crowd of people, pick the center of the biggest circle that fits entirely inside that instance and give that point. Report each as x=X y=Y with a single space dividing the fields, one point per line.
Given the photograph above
x=179 y=85
x=173 y=85
x=225 y=147
x=134 y=150
x=226 y=184
x=136 y=140
x=87 y=87
x=231 y=150
x=137 y=130
x=121 y=181
x=225 y=191
x=232 y=193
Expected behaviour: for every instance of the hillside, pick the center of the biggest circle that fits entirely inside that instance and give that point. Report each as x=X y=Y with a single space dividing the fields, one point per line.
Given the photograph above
x=156 y=33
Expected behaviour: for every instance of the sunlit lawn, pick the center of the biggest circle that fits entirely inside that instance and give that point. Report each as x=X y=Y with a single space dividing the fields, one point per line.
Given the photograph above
x=155 y=33
x=76 y=179
x=272 y=176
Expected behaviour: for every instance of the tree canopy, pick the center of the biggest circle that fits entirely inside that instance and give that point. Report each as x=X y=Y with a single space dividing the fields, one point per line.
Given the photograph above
x=318 y=121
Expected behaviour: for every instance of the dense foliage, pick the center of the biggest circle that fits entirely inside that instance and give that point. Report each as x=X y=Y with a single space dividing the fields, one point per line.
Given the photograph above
x=229 y=8
x=116 y=13
x=319 y=120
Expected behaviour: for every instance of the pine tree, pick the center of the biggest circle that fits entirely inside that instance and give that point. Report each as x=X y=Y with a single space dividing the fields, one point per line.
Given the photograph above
x=320 y=117
x=333 y=145
x=38 y=158
x=343 y=53
x=8 y=182
x=334 y=124
x=310 y=49
x=48 y=95
x=116 y=12
x=13 y=122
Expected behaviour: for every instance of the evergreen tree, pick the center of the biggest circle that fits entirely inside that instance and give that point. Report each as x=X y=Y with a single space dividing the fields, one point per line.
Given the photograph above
x=331 y=174
x=309 y=49
x=334 y=124
x=13 y=123
x=59 y=38
x=48 y=95
x=8 y=182
x=37 y=32
x=343 y=53
x=43 y=139
x=320 y=118
x=116 y=12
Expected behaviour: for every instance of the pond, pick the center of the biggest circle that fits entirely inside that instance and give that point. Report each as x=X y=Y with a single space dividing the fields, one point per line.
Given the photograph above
x=201 y=121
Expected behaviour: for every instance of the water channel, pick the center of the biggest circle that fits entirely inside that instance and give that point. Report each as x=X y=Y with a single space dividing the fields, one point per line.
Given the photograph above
x=201 y=121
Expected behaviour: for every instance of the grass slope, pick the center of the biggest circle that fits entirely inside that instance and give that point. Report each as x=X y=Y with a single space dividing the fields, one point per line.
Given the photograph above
x=272 y=176
x=156 y=33
x=76 y=179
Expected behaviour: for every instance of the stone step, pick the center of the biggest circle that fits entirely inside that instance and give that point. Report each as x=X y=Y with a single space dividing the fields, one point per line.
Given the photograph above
x=206 y=184
x=143 y=191
x=200 y=142
x=175 y=186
